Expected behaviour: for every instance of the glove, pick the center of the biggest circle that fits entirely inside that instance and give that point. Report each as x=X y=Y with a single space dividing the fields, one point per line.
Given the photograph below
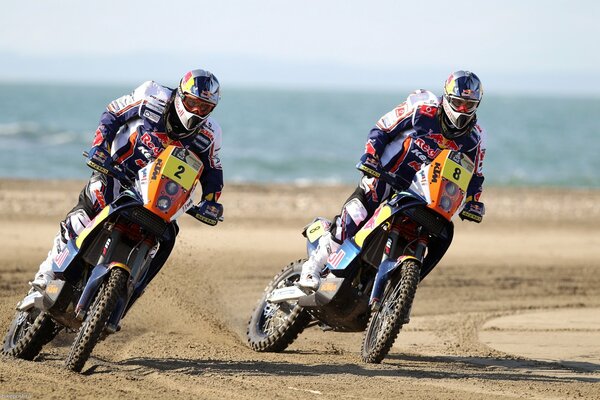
x=209 y=212
x=472 y=211
x=99 y=159
x=369 y=165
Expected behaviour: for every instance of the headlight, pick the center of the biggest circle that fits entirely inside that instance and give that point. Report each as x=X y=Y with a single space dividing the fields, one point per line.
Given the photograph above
x=172 y=188
x=451 y=188
x=163 y=203
x=445 y=203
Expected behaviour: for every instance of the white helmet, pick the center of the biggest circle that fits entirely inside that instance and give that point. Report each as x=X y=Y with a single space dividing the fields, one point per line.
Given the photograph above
x=462 y=94
x=197 y=95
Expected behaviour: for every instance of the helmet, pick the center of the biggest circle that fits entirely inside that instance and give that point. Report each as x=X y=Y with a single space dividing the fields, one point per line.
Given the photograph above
x=197 y=95
x=462 y=95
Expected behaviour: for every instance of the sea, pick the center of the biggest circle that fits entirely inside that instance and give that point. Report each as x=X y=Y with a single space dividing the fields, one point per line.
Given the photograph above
x=306 y=136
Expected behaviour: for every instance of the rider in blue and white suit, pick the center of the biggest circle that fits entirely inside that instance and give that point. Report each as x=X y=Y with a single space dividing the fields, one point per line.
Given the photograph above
x=132 y=132
x=404 y=139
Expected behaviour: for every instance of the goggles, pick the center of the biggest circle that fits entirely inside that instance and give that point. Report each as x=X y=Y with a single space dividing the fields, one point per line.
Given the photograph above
x=196 y=105
x=462 y=105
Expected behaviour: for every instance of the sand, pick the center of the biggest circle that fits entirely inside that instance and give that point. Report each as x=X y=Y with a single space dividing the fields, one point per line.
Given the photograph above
x=511 y=312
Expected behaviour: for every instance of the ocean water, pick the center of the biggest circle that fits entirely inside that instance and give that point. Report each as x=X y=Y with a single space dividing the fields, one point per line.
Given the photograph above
x=305 y=136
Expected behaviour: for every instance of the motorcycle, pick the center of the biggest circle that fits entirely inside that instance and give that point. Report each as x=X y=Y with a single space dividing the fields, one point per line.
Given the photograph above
x=102 y=272
x=369 y=284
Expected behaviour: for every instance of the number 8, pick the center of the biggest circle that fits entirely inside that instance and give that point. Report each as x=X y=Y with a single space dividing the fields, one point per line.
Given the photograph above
x=456 y=174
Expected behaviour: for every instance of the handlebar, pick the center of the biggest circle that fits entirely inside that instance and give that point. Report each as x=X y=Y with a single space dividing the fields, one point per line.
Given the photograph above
x=390 y=178
x=122 y=177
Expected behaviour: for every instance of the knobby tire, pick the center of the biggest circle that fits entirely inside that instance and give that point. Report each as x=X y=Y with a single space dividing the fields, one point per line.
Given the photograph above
x=96 y=319
x=293 y=318
x=385 y=324
x=26 y=339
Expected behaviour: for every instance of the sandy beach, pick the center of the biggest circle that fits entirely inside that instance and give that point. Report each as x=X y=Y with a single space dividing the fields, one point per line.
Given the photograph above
x=512 y=311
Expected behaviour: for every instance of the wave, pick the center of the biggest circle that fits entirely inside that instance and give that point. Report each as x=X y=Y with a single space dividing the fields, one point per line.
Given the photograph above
x=25 y=129
x=32 y=132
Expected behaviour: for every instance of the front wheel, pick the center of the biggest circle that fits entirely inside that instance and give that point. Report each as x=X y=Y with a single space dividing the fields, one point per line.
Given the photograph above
x=385 y=324
x=96 y=319
x=29 y=331
x=273 y=327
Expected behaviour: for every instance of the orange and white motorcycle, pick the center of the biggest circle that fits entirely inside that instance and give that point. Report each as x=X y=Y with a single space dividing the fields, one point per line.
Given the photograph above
x=102 y=272
x=369 y=284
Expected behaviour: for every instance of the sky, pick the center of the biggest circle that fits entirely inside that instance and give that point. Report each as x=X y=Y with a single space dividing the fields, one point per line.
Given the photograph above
x=513 y=46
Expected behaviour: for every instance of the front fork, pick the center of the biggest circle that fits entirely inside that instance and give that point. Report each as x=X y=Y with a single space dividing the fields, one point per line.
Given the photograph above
x=390 y=261
x=137 y=272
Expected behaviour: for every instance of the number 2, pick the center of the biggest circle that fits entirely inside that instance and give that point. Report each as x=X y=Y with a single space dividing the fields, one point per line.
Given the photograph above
x=180 y=170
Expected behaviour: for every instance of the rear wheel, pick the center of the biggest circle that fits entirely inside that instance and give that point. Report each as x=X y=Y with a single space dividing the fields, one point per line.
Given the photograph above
x=96 y=319
x=273 y=327
x=385 y=324
x=29 y=331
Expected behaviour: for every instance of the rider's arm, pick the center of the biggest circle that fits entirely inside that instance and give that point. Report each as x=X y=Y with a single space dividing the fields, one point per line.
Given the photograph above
x=209 y=210
x=475 y=187
x=473 y=209
x=386 y=129
x=118 y=112
x=212 y=176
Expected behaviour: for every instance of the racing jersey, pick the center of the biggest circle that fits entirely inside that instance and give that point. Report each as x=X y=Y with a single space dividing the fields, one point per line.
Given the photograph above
x=411 y=135
x=133 y=129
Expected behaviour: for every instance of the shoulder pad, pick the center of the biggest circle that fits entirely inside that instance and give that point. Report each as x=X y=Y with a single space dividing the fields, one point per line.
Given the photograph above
x=155 y=101
x=148 y=91
x=390 y=120
x=420 y=97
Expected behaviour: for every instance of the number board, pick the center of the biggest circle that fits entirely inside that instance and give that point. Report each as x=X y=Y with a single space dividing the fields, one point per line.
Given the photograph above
x=181 y=171
x=457 y=173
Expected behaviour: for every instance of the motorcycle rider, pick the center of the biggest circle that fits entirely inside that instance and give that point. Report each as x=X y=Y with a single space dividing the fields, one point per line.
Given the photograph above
x=410 y=135
x=133 y=130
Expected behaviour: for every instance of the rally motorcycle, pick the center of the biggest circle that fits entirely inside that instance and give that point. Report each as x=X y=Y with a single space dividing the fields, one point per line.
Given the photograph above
x=104 y=270
x=369 y=284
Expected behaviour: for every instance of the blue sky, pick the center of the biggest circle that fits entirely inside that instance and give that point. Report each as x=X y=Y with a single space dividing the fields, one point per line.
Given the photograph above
x=542 y=46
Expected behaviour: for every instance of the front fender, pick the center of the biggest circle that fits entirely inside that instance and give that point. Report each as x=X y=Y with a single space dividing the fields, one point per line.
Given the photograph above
x=96 y=278
x=383 y=274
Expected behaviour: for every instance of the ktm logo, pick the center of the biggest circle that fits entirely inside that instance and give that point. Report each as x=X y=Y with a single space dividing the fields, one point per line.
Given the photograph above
x=437 y=170
x=156 y=169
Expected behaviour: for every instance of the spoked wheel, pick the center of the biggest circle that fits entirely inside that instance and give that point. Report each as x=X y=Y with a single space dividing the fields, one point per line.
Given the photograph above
x=385 y=324
x=28 y=333
x=273 y=327
x=96 y=319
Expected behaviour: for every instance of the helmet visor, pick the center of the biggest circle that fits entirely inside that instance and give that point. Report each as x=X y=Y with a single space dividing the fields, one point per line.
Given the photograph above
x=196 y=105
x=462 y=105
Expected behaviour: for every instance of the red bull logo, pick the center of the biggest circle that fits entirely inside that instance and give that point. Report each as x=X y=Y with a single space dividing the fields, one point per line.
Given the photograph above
x=165 y=140
x=443 y=142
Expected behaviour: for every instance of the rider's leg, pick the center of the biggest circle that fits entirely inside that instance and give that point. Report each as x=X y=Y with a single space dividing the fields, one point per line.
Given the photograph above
x=359 y=206
x=92 y=199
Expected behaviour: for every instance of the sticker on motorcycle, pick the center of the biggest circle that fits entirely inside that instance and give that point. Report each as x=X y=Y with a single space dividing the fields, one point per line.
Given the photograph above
x=378 y=217
x=315 y=231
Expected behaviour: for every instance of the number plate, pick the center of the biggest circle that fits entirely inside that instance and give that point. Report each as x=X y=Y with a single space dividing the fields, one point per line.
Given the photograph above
x=182 y=172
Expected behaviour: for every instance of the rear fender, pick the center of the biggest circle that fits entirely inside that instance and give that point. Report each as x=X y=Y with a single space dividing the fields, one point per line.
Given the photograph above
x=98 y=275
